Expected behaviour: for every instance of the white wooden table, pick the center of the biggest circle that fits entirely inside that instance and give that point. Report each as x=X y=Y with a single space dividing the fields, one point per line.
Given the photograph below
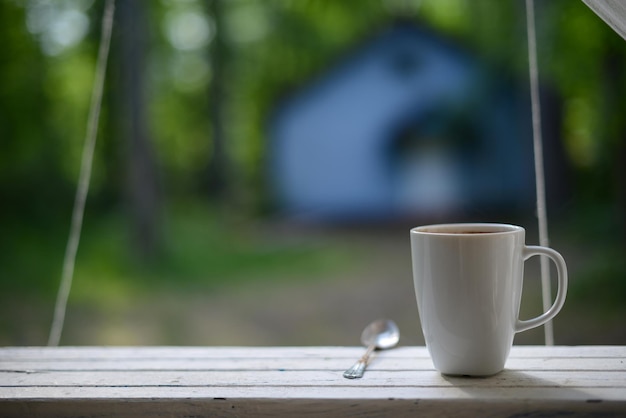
x=305 y=381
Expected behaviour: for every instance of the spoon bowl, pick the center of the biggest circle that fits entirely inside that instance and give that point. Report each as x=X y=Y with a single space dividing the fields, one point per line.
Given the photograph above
x=383 y=333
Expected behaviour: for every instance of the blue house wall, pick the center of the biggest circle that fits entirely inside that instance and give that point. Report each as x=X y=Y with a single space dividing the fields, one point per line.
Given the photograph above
x=407 y=125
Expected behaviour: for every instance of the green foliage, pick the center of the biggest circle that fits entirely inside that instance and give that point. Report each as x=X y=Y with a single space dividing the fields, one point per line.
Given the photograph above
x=272 y=48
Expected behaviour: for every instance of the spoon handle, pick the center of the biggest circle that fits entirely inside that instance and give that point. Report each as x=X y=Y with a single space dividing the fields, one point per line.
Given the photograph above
x=357 y=370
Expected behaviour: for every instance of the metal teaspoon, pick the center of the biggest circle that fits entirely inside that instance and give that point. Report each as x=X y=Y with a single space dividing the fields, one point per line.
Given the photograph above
x=380 y=334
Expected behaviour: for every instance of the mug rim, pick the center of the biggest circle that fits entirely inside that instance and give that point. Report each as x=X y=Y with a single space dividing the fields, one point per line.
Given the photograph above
x=467 y=229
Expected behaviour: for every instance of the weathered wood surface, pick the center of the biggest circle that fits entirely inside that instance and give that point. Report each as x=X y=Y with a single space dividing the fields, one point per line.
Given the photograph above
x=274 y=381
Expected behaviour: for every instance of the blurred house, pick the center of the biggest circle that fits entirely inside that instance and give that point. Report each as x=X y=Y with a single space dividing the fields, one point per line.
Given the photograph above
x=409 y=125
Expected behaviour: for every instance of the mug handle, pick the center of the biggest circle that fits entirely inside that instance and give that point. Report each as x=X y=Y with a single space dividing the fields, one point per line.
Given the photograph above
x=561 y=268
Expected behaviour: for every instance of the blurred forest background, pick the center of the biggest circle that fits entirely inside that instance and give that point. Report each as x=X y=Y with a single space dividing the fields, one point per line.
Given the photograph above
x=183 y=243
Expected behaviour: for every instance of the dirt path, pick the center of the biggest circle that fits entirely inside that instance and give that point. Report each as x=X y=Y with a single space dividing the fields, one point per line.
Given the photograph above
x=316 y=309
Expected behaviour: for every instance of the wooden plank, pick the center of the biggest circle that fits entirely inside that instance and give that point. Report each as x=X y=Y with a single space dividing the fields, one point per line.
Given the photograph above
x=295 y=358
x=311 y=408
x=140 y=353
x=385 y=361
x=270 y=381
x=329 y=378
x=530 y=351
x=321 y=393
x=378 y=362
x=143 y=353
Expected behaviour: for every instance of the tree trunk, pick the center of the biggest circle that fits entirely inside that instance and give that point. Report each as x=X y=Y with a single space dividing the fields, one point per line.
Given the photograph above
x=615 y=128
x=218 y=166
x=141 y=183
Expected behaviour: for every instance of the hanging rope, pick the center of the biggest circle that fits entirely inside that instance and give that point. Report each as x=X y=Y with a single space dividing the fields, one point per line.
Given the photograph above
x=539 y=173
x=83 y=178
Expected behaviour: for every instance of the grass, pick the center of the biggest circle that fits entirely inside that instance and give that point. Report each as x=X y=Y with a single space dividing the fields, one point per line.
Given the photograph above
x=199 y=249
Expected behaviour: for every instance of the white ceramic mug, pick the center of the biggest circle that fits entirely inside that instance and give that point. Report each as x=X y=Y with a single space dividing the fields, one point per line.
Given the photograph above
x=468 y=283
